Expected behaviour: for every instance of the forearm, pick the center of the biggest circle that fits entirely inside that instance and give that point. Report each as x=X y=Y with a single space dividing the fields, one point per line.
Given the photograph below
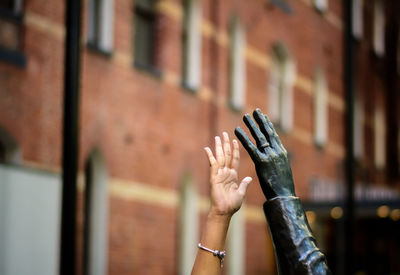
x=296 y=249
x=213 y=237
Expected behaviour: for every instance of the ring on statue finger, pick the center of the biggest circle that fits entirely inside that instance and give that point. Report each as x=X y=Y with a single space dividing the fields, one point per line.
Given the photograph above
x=264 y=145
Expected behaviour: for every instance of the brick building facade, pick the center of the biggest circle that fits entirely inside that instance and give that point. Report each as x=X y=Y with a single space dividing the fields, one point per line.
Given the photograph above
x=149 y=105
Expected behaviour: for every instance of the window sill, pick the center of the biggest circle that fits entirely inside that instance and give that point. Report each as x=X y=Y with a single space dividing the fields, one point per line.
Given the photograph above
x=235 y=109
x=188 y=88
x=16 y=58
x=149 y=69
x=98 y=50
x=319 y=145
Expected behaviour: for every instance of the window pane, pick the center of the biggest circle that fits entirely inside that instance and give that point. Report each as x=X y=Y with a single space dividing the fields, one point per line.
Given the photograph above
x=238 y=66
x=94 y=21
x=143 y=39
x=192 y=44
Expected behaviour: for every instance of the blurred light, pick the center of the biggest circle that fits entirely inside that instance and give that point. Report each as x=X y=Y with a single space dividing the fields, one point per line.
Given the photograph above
x=395 y=214
x=311 y=216
x=336 y=212
x=383 y=211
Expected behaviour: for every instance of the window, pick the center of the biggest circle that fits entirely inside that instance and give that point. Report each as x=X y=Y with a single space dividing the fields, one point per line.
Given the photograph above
x=96 y=216
x=236 y=244
x=380 y=138
x=188 y=226
x=358 y=18
x=100 y=32
x=379 y=29
x=11 y=24
x=320 y=109
x=192 y=44
x=237 y=65
x=145 y=27
x=358 y=128
x=281 y=80
x=321 y=5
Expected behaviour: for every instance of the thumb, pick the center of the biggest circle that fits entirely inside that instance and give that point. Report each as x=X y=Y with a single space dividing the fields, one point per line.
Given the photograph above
x=244 y=184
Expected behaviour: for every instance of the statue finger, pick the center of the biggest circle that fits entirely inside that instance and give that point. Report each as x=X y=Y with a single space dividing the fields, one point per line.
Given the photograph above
x=275 y=135
x=265 y=128
x=247 y=144
x=259 y=137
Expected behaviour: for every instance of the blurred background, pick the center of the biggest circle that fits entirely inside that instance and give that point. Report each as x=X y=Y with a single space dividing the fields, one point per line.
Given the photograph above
x=106 y=105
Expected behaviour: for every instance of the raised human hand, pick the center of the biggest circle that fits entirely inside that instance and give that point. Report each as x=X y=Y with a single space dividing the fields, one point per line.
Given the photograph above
x=269 y=156
x=227 y=194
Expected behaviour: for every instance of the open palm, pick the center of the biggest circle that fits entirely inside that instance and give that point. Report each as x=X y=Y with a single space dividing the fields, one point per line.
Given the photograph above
x=227 y=194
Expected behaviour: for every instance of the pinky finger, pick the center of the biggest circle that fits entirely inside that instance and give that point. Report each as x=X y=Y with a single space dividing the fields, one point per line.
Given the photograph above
x=211 y=159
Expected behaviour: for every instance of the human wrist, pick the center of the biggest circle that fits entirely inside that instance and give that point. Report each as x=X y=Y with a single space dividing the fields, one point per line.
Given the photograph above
x=215 y=216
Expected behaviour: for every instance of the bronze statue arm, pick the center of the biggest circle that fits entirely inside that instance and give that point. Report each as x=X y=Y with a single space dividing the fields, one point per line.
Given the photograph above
x=295 y=247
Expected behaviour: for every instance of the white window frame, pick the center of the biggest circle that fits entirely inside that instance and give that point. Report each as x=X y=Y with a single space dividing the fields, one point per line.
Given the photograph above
x=193 y=51
x=379 y=28
x=106 y=29
x=320 y=109
x=358 y=18
x=238 y=65
x=188 y=225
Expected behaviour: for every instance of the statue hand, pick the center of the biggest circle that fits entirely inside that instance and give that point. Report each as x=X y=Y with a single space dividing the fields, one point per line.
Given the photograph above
x=269 y=156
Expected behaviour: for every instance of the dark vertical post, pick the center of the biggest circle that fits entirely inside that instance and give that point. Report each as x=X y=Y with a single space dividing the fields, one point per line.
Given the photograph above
x=70 y=138
x=392 y=90
x=349 y=77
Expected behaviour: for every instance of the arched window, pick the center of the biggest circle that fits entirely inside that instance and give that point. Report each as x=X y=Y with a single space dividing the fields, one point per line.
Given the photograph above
x=192 y=44
x=237 y=65
x=188 y=225
x=96 y=216
x=281 y=80
x=320 y=108
x=379 y=28
x=236 y=244
x=9 y=149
